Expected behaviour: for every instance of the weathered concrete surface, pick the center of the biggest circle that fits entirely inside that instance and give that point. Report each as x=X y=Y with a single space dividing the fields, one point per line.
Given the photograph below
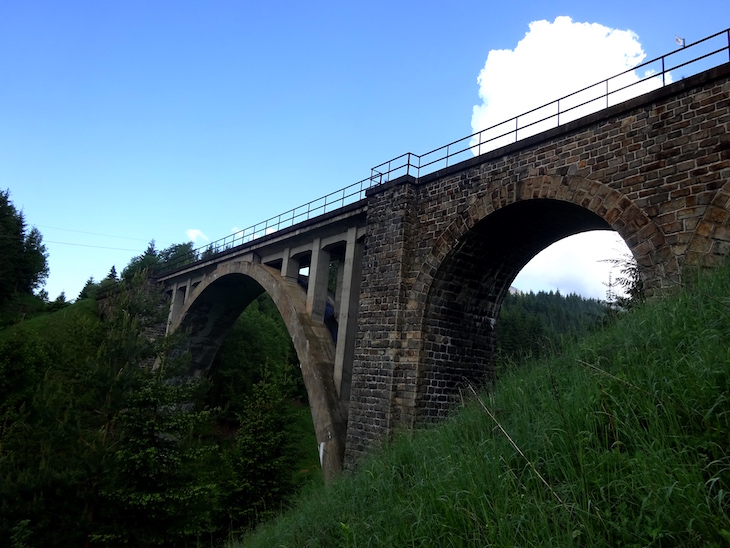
x=215 y=303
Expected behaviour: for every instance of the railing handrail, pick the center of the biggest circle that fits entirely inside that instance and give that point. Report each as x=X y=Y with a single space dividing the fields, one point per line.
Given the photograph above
x=379 y=174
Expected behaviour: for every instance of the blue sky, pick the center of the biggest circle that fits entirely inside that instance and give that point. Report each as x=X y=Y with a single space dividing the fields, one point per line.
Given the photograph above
x=121 y=122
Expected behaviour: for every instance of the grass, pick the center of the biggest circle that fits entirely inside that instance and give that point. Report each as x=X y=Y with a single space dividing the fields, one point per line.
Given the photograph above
x=53 y=324
x=306 y=468
x=21 y=306
x=630 y=430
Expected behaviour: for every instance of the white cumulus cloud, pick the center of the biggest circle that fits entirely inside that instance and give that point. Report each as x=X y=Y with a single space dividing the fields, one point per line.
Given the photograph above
x=552 y=61
x=194 y=235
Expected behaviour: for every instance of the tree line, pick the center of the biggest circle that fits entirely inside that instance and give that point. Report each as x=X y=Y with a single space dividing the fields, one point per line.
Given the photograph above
x=533 y=325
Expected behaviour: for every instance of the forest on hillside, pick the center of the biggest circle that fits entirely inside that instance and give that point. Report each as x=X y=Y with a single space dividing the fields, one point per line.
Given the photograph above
x=531 y=325
x=104 y=441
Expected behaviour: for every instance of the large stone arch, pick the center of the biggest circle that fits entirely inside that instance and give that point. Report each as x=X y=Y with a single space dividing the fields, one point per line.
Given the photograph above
x=215 y=303
x=460 y=287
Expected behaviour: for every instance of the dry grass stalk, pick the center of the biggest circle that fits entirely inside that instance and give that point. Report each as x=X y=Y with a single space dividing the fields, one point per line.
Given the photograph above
x=491 y=416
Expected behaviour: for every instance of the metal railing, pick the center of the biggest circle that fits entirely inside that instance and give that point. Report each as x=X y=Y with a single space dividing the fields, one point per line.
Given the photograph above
x=326 y=204
x=593 y=98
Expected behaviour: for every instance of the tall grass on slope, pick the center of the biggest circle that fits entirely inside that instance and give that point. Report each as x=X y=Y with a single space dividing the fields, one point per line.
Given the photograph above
x=630 y=428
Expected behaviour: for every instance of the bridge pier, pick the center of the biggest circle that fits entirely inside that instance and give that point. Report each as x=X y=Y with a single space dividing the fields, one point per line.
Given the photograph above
x=347 y=298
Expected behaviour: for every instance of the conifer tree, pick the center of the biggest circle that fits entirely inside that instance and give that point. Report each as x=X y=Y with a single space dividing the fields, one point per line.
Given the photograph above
x=23 y=267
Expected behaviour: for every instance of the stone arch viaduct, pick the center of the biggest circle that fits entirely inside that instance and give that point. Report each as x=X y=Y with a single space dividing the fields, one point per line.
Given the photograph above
x=423 y=263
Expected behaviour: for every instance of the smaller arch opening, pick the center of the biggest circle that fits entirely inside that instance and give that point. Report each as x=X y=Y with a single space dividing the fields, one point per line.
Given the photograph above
x=222 y=296
x=238 y=338
x=464 y=299
x=212 y=315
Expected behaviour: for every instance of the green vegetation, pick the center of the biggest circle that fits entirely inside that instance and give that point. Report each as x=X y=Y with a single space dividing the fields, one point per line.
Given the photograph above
x=23 y=268
x=620 y=441
x=95 y=444
x=104 y=441
x=532 y=325
x=99 y=447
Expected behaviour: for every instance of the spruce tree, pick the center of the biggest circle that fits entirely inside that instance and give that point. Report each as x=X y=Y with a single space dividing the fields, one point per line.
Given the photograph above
x=23 y=267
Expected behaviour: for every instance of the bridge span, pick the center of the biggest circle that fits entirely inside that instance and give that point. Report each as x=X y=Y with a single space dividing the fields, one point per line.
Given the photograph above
x=423 y=261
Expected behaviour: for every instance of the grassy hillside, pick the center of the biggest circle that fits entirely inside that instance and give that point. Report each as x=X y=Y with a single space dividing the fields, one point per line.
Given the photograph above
x=624 y=440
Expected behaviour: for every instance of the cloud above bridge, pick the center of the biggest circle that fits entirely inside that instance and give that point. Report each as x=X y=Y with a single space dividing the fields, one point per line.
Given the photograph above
x=195 y=234
x=554 y=60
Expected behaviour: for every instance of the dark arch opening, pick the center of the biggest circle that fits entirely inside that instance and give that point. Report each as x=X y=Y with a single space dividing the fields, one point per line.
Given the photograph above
x=463 y=302
x=212 y=315
x=217 y=301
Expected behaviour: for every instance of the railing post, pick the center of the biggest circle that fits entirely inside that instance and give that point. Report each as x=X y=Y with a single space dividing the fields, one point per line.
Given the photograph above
x=663 y=82
x=447 y=155
x=606 y=92
x=517 y=118
x=558 y=111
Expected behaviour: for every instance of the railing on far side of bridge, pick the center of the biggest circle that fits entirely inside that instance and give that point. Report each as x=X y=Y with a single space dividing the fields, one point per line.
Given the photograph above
x=326 y=204
x=695 y=57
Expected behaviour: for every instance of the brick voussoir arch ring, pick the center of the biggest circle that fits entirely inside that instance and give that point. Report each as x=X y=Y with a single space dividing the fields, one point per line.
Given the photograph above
x=314 y=347
x=710 y=241
x=643 y=237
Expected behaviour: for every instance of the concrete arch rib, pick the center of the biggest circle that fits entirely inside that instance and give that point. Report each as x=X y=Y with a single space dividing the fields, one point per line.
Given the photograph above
x=312 y=342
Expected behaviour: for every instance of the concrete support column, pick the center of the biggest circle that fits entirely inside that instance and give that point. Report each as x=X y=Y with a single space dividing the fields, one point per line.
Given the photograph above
x=351 y=268
x=178 y=300
x=289 y=266
x=338 y=289
x=317 y=286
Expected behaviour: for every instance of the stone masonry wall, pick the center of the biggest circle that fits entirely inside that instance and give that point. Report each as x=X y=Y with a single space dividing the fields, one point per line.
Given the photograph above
x=656 y=169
